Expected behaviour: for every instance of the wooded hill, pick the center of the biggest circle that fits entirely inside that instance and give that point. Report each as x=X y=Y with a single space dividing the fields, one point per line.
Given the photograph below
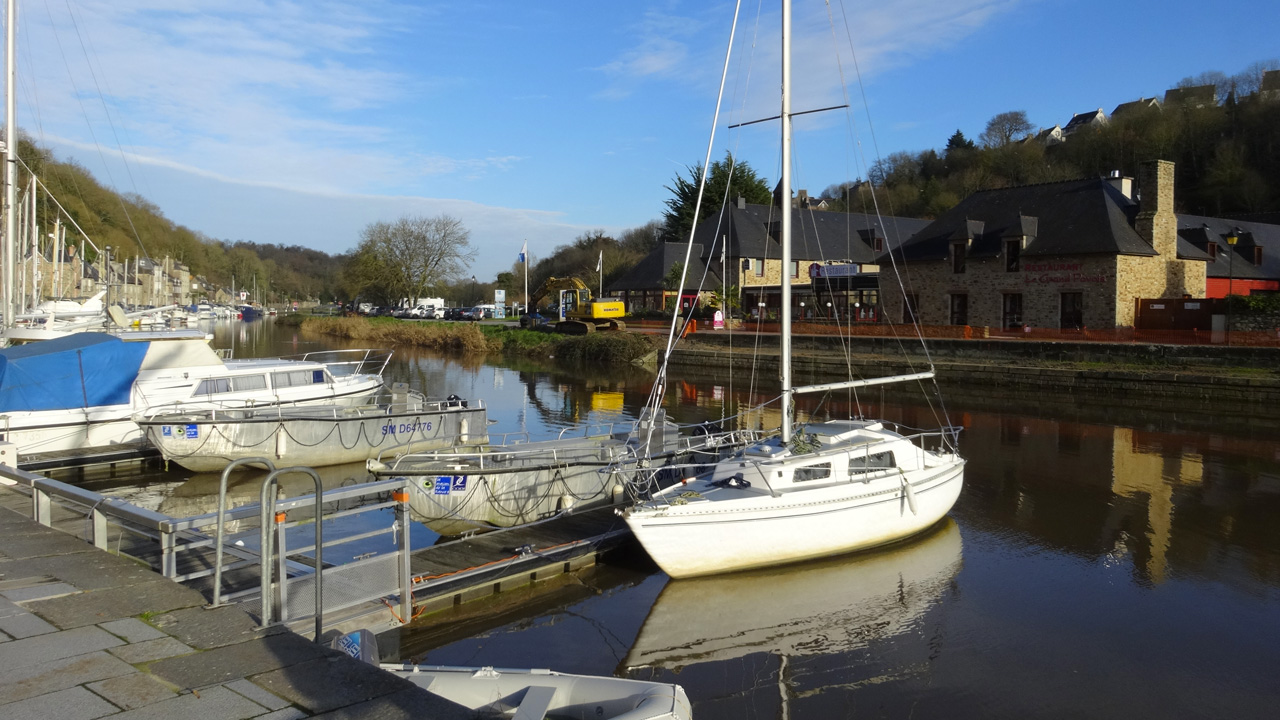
x=1227 y=157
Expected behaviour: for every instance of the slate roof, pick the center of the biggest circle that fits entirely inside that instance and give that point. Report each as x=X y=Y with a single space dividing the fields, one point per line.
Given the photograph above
x=1084 y=119
x=649 y=273
x=816 y=236
x=1198 y=96
x=1140 y=103
x=1071 y=217
x=1199 y=231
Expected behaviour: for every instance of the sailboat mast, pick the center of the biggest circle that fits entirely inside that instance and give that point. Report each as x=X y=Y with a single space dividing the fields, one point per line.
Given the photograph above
x=10 y=158
x=785 y=328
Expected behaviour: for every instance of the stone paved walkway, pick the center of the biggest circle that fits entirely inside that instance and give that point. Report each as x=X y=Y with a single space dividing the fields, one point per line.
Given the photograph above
x=85 y=634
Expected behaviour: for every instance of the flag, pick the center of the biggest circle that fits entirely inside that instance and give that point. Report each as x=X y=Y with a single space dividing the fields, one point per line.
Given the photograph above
x=524 y=250
x=600 y=262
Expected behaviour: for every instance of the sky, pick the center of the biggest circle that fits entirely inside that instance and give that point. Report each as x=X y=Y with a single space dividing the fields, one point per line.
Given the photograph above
x=302 y=122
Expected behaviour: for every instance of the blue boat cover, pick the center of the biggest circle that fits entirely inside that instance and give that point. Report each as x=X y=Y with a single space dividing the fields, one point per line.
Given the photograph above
x=80 y=370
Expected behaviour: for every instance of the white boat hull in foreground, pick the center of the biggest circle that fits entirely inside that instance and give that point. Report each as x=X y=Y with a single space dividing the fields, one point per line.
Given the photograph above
x=491 y=692
x=842 y=497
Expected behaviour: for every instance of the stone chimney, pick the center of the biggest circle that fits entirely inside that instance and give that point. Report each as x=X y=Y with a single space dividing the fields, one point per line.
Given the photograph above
x=1156 y=222
x=742 y=203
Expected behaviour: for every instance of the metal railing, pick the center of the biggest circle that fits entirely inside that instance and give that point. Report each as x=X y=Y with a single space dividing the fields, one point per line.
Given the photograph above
x=348 y=362
x=287 y=574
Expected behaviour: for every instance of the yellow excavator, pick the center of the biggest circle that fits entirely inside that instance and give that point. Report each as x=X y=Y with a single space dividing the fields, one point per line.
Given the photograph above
x=583 y=314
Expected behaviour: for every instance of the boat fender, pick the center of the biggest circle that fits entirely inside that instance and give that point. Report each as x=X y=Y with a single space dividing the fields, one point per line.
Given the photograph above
x=910 y=492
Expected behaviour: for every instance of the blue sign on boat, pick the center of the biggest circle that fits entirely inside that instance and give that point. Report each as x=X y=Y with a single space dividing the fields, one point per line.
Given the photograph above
x=166 y=430
x=193 y=431
x=443 y=483
x=459 y=483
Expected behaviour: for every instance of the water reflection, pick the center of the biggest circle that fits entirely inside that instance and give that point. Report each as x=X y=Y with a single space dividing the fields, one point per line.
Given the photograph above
x=806 y=617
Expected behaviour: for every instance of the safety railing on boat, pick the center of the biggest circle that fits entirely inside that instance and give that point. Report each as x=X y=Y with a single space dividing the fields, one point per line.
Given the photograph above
x=348 y=362
x=183 y=549
x=306 y=410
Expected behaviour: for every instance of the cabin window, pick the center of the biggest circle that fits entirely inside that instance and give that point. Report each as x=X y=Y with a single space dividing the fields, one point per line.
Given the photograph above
x=296 y=378
x=1012 y=255
x=812 y=472
x=860 y=464
x=247 y=383
x=214 y=386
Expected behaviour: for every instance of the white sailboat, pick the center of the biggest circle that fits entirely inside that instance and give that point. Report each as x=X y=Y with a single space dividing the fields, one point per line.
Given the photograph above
x=833 y=487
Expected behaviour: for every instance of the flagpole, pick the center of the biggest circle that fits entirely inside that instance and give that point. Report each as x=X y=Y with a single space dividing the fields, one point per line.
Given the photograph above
x=525 y=257
x=600 y=271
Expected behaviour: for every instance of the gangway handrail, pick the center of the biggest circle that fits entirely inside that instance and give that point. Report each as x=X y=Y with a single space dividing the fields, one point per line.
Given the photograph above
x=268 y=511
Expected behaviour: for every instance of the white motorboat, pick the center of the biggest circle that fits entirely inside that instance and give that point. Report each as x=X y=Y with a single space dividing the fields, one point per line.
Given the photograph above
x=83 y=390
x=516 y=481
x=831 y=487
x=315 y=435
x=489 y=692
x=502 y=692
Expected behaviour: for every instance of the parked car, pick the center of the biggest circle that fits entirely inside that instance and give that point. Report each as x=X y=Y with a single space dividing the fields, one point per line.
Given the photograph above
x=453 y=313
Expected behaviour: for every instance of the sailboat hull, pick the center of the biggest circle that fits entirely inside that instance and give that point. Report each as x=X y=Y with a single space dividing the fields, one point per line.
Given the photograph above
x=760 y=529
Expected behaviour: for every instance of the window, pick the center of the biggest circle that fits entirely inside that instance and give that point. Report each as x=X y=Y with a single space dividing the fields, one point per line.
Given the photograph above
x=246 y=383
x=214 y=386
x=795 y=269
x=1213 y=251
x=1012 y=255
x=910 y=307
x=1011 y=315
x=959 y=309
x=296 y=378
x=821 y=471
x=1072 y=315
x=878 y=243
x=759 y=267
x=875 y=462
x=957 y=258
x=1257 y=255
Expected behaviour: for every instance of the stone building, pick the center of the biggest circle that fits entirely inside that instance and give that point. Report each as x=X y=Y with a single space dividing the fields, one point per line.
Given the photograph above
x=833 y=270
x=1066 y=255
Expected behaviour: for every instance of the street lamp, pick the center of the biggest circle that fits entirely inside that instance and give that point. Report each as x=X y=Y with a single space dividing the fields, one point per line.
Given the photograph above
x=473 y=288
x=1233 y=236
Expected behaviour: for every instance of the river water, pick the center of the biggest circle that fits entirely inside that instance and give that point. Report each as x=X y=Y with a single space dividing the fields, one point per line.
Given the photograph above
x=1101 y=562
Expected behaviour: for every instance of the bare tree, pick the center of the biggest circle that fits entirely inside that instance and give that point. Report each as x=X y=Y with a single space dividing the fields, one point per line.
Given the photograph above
x=1005 y=127
x=408 y=257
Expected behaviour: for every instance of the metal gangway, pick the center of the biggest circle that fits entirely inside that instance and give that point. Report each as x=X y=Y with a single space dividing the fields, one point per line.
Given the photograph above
x=291 y=582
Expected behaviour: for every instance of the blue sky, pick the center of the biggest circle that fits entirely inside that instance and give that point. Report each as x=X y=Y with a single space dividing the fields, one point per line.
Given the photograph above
x=302 y=122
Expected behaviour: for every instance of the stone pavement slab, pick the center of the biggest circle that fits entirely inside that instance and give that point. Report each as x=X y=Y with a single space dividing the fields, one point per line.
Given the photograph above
x=290 y=713
x=74 y=703
x=132 y=630
x=17 y=622
x=233 y=662
x=257 y=694
x=90 y=608
x=85 y=570
x=39 y=592
x=25 y=682
x=34 y=540
x=329 y=682
x=215 y=703
x=205 y=629
x=151 y=650
x=55 y=646
x=132 y=691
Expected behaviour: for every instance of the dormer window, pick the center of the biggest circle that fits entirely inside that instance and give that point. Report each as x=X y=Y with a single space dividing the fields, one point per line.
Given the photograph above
x=1213 y=251
x=1257 y=255
x=878 y=244
x=957 y=257
x=1012 y=255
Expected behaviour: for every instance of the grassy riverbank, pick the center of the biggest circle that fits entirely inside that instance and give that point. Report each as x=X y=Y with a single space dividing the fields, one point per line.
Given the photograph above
x=482 y=338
